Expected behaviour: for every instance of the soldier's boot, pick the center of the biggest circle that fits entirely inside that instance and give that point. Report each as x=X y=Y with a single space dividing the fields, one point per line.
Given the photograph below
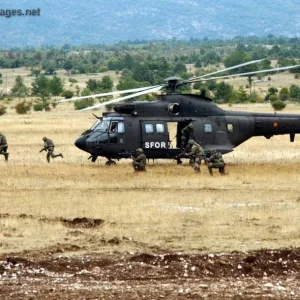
x=197 y=169
x=48 y=159
x=6 y=154
x=210 y=171
x=61 y=155
x=222 y=171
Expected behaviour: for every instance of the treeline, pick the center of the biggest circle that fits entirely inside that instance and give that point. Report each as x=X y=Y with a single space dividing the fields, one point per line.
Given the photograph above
x=149 y=63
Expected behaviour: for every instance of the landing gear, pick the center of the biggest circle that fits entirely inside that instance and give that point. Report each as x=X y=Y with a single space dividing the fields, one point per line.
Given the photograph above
x=93 y=157
x=110 y=163
x=179 y=161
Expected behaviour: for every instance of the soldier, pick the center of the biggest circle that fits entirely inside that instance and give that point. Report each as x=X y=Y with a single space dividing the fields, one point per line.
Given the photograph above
x=3 y=146
x=196 y=154
x=187 y=133
x=216 y=161
x=49 y=147
x=139 y=162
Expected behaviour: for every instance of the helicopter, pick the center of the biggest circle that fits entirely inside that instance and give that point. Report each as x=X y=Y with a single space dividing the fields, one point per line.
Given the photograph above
x=146 y=124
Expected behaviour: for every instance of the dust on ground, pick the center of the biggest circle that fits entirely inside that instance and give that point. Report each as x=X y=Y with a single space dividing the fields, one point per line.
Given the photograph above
x=155 y=274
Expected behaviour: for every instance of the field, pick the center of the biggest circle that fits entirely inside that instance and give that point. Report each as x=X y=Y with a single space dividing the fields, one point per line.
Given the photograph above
x=74 y=229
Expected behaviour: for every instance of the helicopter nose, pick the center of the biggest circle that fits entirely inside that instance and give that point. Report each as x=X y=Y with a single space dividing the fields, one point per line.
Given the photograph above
x=81 y=142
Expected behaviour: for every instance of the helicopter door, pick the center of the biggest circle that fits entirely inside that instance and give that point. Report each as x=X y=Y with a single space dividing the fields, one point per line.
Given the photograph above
x=155 y=135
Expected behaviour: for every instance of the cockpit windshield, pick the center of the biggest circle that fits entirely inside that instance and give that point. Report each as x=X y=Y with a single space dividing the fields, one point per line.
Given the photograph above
x=101 y=125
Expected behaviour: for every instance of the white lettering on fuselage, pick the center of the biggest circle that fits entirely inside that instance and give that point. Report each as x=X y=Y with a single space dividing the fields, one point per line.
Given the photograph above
x=155 y=145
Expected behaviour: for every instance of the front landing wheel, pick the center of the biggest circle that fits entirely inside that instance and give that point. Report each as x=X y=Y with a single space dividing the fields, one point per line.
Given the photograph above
x=110 y=163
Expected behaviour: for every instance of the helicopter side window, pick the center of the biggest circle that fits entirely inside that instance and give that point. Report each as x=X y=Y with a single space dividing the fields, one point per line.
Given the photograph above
x=207 y=128
x=149 y=128
x=121 y=127
x=230 y=128
x=160 y=128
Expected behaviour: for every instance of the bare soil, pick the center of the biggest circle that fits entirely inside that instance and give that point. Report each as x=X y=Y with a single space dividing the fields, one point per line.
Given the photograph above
x=57 y=273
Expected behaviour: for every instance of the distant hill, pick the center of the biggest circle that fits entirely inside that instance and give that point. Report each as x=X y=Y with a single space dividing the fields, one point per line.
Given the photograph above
x=110 y=21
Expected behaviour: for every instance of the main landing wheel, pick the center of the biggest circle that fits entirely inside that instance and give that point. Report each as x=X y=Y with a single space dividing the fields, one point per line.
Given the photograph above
x=110 y=163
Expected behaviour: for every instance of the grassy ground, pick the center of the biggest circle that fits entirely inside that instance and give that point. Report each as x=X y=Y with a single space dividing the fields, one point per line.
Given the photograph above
x=256 y=205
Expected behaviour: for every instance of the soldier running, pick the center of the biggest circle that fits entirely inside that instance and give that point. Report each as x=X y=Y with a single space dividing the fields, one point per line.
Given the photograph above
x=3 y=146
x=49 y=147
x=139 y=162
x=216 y=161
x=196 y=154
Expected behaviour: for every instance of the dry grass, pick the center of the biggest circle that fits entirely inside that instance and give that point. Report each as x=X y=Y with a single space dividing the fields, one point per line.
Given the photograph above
x=256 y=205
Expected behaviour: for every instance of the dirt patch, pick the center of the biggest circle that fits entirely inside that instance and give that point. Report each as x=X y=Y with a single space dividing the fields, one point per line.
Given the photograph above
x=82 y=222
x=71 y=223
x=254 y=275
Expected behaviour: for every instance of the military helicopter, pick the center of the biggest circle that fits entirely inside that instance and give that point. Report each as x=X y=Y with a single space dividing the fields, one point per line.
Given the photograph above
x=145 y=124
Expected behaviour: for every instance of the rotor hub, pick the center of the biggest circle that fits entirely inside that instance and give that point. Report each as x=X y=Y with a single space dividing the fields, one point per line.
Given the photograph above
x=172 y=83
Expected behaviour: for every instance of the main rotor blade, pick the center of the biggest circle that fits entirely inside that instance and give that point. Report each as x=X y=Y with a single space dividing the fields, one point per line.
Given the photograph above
x=157 y=88
x=227 y=69
x=248 y=73
x=107 y=94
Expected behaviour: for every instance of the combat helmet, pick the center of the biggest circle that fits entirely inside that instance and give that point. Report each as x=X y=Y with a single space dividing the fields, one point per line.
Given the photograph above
x=213 y=151
x=140 y=150
x=191 y=142
x=44 y=138
x=190 y=126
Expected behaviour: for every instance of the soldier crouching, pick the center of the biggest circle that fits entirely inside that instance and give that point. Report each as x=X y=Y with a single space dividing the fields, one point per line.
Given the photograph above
x=216 y=161
x=139 y=162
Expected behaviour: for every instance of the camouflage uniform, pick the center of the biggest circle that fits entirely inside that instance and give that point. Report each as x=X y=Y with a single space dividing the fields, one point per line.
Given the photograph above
x=139 y=162
x=49 y=147
x=3 y=146
x=187 y=133
x=196 y=154
x=216 y=161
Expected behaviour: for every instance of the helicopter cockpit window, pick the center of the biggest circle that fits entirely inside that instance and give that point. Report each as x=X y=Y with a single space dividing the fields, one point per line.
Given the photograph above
x=100 y=125
x=207 y=128
x=149 y=128
x=114 y=126
x=230 y=128
x=160 y=128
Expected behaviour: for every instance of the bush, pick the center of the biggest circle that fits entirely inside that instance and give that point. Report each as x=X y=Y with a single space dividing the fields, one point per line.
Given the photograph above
x=2 y=109
x=68 y=94
x=296 y=76
x=72 y=80
x=38 y=106
x=278 y=105
x=80 y=104
x=23 y=107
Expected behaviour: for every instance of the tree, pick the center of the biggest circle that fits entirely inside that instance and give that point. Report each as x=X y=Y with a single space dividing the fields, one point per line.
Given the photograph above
x=223 y=92
x=56 y=86
x=41 y=89
x=278 y=105
x=295 y=92
x=19 y=89
x=284 y=94
x=242 y=95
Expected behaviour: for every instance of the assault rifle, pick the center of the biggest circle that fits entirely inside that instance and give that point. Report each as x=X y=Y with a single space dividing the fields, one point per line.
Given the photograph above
x=44 y=149
x=128 y=154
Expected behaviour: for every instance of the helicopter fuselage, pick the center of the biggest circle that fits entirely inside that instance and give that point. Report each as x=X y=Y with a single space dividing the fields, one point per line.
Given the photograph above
x=145 y=124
